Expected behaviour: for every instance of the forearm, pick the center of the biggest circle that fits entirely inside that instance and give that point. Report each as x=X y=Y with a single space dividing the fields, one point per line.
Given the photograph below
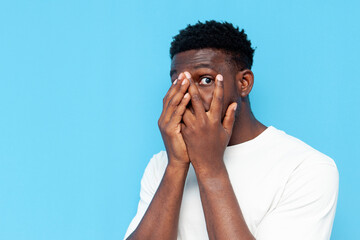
x=162 y=216
x=224 y=219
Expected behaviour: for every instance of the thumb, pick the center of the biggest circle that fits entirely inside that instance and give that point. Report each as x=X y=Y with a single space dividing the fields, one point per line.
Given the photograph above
x=229 y=119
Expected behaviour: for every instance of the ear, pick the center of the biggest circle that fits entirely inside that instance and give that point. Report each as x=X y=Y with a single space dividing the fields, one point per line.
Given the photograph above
x=245 y=82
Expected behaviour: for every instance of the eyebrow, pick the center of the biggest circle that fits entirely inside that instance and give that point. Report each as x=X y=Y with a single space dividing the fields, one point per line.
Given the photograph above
x=197 y=66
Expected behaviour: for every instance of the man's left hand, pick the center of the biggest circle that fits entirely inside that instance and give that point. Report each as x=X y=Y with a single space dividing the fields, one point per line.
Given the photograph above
x=206 y=137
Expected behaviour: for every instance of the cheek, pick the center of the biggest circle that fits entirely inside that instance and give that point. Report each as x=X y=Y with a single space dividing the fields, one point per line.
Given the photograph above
x=207 y=95
x=230 y=96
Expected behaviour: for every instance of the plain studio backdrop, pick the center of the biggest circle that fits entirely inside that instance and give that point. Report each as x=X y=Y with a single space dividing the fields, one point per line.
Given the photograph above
x=81 y=88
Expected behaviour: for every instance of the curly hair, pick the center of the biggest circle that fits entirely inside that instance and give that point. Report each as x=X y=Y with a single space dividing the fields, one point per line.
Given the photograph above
x=218 y=35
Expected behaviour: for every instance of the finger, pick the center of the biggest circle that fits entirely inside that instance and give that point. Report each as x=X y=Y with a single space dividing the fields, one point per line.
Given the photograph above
x=229 y=119
x=196 y=100
x=176 y=100
x=172 y=90
x=218 y=98
x=188 y=117
x=180 y=110
x=183 y=130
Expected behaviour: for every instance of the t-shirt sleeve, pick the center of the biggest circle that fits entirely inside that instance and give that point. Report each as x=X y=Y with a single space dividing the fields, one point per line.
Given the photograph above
x=307 y=206
x=149 y=183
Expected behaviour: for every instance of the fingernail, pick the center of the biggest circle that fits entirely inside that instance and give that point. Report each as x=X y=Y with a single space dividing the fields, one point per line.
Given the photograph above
x=181 y=76
x=188 y=75
x=186 y=95
x=175 y=81
x=220 y=77
x=183 y=82
x=235 y=107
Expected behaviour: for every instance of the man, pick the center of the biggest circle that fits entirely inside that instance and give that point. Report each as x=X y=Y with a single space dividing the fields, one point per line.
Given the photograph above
x=225 y=175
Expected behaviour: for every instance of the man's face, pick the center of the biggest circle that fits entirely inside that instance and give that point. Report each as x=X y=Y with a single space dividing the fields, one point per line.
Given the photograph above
x=204 y=65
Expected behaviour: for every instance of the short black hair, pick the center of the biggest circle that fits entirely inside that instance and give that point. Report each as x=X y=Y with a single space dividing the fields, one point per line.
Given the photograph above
x=218 y=35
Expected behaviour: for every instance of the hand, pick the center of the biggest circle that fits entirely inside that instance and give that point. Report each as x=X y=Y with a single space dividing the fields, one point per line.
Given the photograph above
x=206 y=137
x=174 y=106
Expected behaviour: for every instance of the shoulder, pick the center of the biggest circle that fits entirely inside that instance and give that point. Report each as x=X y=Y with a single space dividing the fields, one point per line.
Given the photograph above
x=300 y=151
x=155 y=170
x=304 y=167
x=312 y=173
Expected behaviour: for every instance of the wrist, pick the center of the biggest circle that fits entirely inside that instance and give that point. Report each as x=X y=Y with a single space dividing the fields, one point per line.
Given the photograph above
x=213 y=181
x=176 y=166
x=216 y=169
x=175 y=174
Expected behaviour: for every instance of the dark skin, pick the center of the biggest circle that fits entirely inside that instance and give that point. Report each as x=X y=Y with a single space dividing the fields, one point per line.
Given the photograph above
x=205 y=110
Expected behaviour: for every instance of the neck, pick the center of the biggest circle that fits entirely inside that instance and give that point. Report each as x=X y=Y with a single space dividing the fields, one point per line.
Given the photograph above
x=246 y=126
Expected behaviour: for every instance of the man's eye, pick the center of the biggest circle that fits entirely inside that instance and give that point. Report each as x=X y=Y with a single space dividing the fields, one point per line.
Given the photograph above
x=205 y=81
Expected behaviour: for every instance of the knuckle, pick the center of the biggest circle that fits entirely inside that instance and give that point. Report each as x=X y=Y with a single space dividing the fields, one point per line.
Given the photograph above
x=195 y=98
x=189 y=129
x=215 y=121
x=185 y=131
x=203 y=126
x=161 y=127
x=172 y=103
x=168 y=131
x=219 y=98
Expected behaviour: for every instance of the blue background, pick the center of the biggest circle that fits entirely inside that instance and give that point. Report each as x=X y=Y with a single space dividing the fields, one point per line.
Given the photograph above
x=81 y=88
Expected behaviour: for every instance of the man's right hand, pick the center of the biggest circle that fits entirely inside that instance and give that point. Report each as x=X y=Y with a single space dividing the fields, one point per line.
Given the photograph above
x=169 y=193
x=174 y=106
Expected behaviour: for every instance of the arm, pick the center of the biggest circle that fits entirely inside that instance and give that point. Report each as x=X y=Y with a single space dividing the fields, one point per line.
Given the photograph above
x=224 y=219
x=160 y=220
x=206 y=139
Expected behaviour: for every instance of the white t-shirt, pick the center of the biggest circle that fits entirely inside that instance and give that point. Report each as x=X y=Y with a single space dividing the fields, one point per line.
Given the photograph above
x=285 y=189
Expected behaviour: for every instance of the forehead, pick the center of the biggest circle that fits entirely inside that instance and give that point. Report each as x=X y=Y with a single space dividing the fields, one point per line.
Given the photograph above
x=200 y=58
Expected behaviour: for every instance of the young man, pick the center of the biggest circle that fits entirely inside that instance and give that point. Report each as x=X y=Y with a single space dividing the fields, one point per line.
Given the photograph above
x=225 y=175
